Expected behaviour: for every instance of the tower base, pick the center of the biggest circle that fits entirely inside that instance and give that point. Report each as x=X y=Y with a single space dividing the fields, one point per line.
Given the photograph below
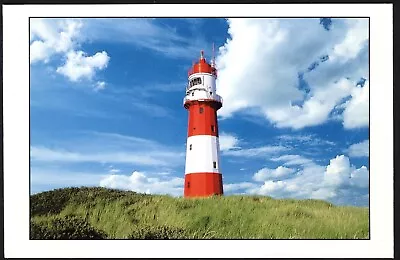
x=203 y=184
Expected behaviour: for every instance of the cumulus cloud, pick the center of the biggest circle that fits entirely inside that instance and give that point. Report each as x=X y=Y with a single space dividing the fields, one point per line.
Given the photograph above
x=315 y=110
x=235 y=187
x=323 y=193
x=39 y=51
x=338 y=171
x=359 y=149
x=144 y=183
x=339 y=181
x=266 y=57
x=228 y=141
x=267 y=174
x=356 y=112
x=353 y=42
x=79 y=65
x=49 y=37
x=360 y=177
x=63 y=37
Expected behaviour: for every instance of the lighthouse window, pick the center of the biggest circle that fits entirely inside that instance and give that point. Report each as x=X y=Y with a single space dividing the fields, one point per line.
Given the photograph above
x=201 y=110
x=193 y=94
x=215 y=165
x=188 y=184
x=190 y=147
x=212 y=128
x=195 y=81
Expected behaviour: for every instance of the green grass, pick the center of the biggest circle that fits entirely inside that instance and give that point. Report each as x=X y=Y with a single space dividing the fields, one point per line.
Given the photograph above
x=122 y=214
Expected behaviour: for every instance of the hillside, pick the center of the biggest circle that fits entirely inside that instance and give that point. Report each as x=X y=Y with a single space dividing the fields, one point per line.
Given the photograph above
x=100 y=213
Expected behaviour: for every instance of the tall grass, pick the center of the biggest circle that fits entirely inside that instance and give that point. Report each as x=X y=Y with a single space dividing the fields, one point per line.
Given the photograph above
x=130 y=215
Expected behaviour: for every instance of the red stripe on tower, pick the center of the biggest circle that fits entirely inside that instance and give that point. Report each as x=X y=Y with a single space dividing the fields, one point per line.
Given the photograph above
x=202 y=170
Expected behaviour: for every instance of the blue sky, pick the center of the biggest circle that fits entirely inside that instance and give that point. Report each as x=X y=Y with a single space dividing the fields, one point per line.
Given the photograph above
x=106 y=104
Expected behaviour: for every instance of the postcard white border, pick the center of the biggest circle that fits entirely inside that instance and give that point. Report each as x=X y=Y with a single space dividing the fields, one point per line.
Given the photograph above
x=16 y=139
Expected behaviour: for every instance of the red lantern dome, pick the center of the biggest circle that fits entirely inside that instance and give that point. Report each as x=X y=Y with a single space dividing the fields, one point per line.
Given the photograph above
x=202 y=67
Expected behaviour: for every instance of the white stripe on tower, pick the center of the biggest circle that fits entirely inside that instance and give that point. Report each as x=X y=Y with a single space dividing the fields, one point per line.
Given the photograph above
x=202 y=154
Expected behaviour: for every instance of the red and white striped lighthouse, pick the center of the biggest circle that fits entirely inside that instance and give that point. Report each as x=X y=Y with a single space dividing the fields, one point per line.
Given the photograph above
x=202 y=170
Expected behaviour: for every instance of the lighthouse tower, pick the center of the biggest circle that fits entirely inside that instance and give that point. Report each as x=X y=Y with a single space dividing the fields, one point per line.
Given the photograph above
x=202 y=170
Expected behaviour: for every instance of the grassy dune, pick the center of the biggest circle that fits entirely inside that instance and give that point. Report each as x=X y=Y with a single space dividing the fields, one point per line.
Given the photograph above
x=99 y=213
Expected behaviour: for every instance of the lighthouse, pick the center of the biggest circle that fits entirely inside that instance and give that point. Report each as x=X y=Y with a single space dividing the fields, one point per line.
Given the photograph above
x=202 y=169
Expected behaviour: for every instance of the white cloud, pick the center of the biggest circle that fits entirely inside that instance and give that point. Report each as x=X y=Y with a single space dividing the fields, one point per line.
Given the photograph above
x=39 y=51
x=262 y=151
x=310 y=139
x=265 y=56
x=338 y=171
x=356 y=113
x=109 y=148
x=228 y=141
x=301 y=138
x=100 y=150
x=100 y=85
x=266 y=174
x=339 y=181
x=63 y=37
x=114 y=171
x=274 y=188
x=232 y=187
x=49 y=36
x=229 y=145
x=143 y=183
x=314 y=111
x=78 y=65
x=145 y=33
x=359 y=149
x=353 y=42
x=313 y=181
x=360 y=178
x=292 y=159
x=323 y=193
x=136 y=157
